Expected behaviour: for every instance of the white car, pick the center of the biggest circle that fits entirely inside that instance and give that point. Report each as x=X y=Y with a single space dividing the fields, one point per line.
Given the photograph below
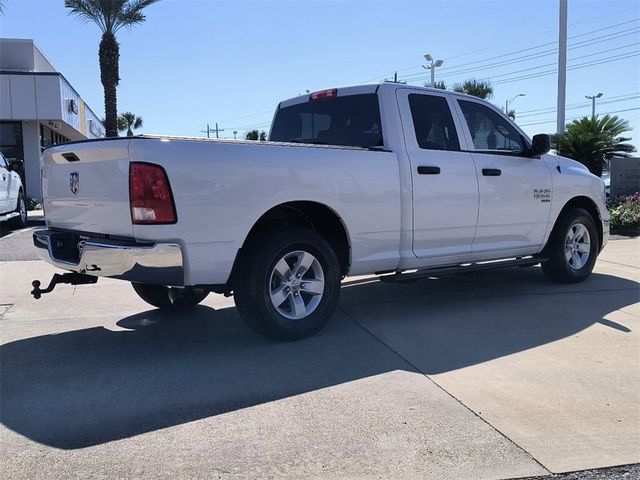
x=373 y=179
x=13 y=205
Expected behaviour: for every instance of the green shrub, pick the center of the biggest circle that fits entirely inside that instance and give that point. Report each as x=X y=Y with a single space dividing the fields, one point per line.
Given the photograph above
x=33 y=204
x=625 y=213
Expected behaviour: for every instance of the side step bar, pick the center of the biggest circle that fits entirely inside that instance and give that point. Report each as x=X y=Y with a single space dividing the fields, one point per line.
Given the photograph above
x=460 y=269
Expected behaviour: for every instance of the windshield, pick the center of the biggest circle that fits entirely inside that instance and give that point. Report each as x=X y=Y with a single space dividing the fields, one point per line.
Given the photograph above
x=352 y=120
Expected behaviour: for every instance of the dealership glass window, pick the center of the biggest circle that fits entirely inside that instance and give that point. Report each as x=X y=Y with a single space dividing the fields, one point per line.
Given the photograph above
x=11 y=145
x=49 y=138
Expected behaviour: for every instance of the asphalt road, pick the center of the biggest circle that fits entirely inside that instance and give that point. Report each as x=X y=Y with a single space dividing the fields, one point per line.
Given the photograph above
x=495 y=375
x=17 y=244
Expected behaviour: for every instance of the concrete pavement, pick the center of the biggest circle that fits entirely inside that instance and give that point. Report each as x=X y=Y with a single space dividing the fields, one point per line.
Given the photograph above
x=494 y=375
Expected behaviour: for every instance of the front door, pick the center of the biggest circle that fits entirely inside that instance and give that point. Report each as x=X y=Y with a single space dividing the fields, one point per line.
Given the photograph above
x=5 y=181
x=515 y=190
x=445 y=185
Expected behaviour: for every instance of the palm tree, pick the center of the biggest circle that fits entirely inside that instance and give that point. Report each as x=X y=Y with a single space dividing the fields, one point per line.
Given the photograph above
x=439 y=84
x=477 y=88
x=129 y=121
x=110 y=16
x=593 y=141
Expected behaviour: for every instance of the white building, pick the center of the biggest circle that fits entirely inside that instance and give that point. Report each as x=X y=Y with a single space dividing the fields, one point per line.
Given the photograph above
x=38 y=108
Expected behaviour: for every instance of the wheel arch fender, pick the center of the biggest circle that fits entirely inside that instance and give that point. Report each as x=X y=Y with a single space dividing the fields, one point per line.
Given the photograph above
x=579 y=201
x=315 y=215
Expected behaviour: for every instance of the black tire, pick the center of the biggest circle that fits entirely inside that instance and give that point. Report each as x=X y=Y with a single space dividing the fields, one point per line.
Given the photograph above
x=159 y=296
x=558 y=267
x=256 y=273
x=21 y=220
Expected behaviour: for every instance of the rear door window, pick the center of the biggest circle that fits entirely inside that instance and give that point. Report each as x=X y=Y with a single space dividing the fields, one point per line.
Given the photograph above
x=352 y=120
x=433 y=123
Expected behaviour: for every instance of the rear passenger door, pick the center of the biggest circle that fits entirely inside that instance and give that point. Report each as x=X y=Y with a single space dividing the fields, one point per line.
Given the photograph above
x=444 y=180
x=515 y=189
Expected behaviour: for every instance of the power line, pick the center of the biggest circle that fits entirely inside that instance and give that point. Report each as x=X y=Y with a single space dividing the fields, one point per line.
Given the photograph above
x=579 y=103
x=421 y=76
x=542 y=45
x=573 y=67
x=448 y=59
x=581 y=116
x=577 y=106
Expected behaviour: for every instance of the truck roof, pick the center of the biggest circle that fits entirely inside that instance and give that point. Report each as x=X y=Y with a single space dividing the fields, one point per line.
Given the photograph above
x=363 y=89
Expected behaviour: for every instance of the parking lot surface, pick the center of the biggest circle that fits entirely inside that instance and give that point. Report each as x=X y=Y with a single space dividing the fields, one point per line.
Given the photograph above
x=494 y=375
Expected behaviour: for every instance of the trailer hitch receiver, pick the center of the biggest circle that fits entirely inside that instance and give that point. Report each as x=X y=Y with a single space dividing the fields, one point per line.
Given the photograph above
x=70 y=278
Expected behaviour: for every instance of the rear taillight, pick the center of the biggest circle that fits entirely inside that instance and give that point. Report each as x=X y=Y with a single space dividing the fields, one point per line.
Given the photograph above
x=150 y=195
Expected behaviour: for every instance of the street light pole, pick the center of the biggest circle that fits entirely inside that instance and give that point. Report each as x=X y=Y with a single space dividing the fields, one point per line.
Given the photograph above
x=506 y=104
x=593 y=103
x=432 y=66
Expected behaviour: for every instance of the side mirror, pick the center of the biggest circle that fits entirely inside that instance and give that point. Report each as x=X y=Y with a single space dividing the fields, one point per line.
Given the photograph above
x=540 y=144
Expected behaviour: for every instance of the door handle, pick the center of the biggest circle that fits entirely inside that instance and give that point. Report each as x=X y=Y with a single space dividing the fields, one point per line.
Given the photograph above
x=491 y=172
x=429 y=170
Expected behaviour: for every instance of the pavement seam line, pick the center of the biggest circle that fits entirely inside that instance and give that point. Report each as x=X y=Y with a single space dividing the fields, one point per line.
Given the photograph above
x=618 y=263
x=417 y=370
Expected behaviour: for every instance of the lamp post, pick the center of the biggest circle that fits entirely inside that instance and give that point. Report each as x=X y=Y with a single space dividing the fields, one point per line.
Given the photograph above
x=432 y=65
x=593 y=103
x=506 y=104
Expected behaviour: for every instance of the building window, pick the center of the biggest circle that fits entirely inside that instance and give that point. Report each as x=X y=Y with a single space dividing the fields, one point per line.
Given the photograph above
x=49 y=138
x=11 y=146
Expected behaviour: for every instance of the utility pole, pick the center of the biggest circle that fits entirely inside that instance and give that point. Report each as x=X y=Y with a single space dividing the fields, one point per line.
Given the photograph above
x=395 y=77
x=562 y=67
x=593 y=103
x=432 y=66
x=209 y=130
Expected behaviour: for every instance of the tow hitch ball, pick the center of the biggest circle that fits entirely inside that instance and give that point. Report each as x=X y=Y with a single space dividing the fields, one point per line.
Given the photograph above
x=70 y=278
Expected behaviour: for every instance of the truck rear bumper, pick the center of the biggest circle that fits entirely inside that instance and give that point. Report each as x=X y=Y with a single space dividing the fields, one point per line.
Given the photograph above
x=159 y=263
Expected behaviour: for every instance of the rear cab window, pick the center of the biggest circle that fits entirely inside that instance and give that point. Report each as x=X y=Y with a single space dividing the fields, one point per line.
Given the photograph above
x=351 y=120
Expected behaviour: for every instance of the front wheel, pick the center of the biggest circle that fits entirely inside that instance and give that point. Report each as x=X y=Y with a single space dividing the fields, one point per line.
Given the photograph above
x=170 y=298
x=573 y=248
x=287 y=287
x=21 y=220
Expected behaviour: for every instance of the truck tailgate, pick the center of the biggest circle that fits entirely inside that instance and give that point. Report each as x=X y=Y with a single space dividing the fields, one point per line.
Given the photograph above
x=85 y=187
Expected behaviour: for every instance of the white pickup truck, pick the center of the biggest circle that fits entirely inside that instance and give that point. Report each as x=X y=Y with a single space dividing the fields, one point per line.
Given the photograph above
x=13 y=205
x=386 y=179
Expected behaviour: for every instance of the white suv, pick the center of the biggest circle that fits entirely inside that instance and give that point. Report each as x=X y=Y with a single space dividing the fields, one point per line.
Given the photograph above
x=13 y=205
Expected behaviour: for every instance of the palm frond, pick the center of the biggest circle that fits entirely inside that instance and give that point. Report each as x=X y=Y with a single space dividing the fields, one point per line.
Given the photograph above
x=131 y=13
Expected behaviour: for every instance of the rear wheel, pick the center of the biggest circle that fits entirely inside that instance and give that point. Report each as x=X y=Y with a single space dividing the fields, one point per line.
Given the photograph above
x=170 y=298
x=573 y=248
x=287 y=287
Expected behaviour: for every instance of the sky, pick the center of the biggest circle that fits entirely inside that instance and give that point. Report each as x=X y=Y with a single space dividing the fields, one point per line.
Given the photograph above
x=195 y=62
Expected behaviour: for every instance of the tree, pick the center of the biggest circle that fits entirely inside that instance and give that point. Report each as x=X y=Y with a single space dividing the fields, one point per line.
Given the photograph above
x=477 y=88
x=439 y=84
x=255 y=135
x=110 y=16
x=593 y=141
x=2 y=3
x=129 y=121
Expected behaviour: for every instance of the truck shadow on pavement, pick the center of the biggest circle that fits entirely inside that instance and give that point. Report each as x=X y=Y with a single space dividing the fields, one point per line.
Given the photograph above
x=82 y=388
